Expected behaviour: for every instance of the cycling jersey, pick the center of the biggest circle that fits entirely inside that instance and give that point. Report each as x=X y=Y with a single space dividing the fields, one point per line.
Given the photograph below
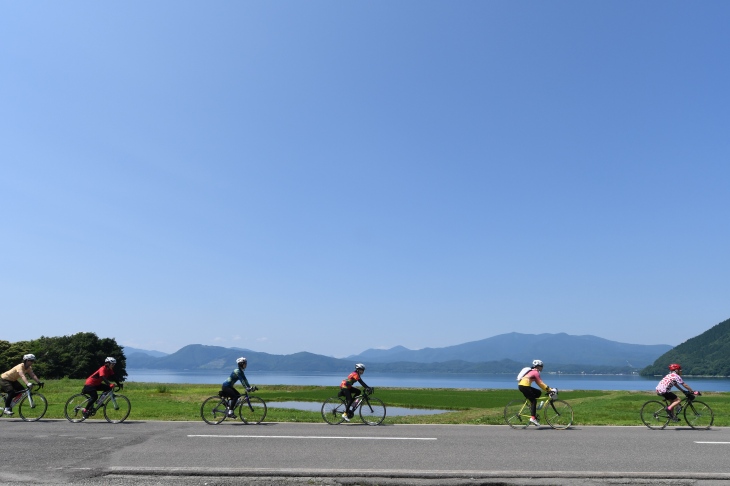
x=236 y=375
x=16 y=372
x=351 y=379
x=533 y=376
x=672 y=379
x=98 y=376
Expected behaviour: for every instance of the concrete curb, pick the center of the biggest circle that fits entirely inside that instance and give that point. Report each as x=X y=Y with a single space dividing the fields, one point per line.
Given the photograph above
x=405 y=474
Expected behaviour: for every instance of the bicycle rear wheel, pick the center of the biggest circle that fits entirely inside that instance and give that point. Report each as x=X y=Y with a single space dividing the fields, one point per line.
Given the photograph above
x=213 y=410
x=332 y=410
x=117 y=409
x=252 y=411
x=558 y=414
x=372 y=411
x=36 y=411
x=699 y=415
x=517 y=414
x=74 y=406
x=654 y=414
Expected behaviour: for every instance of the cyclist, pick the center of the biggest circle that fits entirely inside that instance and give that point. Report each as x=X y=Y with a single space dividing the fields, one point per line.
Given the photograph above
x=349 y=391
x=9 y=380
x=99 y=381
x=526 y=377
x=229 y=391
x=674 y=378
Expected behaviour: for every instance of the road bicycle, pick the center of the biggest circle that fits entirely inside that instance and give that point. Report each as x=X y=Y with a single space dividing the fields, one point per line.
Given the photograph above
x=250 y=409
x=558 y=414
x=372 y=409
x=31 y=406
x=697 y=414
x=115 y=407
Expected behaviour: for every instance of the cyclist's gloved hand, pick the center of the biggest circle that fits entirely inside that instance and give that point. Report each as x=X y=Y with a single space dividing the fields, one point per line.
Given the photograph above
x=696 y=393
x=29 y=385
x=371 y=390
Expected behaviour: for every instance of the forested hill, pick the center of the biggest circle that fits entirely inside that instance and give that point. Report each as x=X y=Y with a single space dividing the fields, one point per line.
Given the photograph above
x=705 y=355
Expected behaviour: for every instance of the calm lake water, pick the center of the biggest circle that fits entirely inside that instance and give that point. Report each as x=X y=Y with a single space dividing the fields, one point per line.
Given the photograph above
x=427 y=380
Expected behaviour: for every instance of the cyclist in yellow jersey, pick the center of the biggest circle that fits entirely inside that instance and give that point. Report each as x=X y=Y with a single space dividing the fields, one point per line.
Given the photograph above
x=532 y=394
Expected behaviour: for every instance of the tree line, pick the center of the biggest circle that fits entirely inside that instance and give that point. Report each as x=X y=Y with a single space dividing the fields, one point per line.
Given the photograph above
x=75 y=356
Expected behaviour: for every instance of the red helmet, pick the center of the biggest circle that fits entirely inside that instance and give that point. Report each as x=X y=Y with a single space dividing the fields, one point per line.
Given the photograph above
x=674 y=367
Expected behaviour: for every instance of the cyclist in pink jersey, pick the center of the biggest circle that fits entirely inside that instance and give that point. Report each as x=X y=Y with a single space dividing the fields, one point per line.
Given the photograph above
x=532 y=394
x=674 y=378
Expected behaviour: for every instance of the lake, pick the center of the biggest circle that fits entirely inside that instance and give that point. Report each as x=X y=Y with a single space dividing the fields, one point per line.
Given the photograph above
x=427 y=380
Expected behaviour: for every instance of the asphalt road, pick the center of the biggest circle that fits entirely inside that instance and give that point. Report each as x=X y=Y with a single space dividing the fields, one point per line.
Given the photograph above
x=137 y=452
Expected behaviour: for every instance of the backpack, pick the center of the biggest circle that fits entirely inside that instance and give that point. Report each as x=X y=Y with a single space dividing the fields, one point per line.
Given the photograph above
x=523 y=372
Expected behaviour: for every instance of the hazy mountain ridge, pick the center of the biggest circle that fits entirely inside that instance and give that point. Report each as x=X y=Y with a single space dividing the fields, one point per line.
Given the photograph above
x=550 y=348
x=500 y=354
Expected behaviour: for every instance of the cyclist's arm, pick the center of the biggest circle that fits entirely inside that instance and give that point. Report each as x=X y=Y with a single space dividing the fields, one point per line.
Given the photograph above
x=25 y=378
x=362 y=383
x=243 y=379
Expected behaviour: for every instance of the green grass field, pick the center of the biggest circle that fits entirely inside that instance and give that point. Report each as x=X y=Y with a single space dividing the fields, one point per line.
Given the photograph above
x=152 y=401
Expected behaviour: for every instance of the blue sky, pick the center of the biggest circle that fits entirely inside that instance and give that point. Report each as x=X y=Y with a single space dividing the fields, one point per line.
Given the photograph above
x=334 y=176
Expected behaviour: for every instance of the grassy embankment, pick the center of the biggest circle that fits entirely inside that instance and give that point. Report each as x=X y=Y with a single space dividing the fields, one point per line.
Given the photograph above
x=152 y=401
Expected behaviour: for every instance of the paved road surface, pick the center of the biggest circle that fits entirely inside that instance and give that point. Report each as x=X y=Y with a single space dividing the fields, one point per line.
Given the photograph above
x=137 y=452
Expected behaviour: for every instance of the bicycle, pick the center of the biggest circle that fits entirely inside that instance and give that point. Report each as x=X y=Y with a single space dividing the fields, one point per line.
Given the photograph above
x=251 y=409
x=558 y=414
x=116 y=407
x=31 y=406
x=697 y=414
x=372 y=409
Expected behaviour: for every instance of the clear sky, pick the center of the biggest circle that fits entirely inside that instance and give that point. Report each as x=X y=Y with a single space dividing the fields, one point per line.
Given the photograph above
x=333 y=176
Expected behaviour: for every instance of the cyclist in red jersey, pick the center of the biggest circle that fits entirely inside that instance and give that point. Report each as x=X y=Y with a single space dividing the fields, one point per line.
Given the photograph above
x=349 y=391
x=99 y=381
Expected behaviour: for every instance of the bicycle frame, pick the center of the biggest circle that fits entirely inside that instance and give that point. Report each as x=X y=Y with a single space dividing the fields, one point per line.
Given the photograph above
x=27 y=392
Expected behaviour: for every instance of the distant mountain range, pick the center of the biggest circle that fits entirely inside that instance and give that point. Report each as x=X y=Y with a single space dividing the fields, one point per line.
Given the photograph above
x=550 y=348
x=498 y=354
x=128 y=350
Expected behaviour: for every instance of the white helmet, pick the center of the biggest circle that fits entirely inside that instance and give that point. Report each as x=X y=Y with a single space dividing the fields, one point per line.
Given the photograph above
x=242 y=361
x=360 y=366
x=30 y=357
x=537 y=362
x=110 y=360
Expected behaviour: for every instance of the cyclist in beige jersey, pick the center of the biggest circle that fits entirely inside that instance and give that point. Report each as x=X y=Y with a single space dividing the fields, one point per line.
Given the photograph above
x=9 y=380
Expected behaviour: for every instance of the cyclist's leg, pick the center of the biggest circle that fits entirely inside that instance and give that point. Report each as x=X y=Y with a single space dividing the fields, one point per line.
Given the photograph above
x=9 y=389
x=90 y=390
x=673 y=400
x=532 y=394
x=231 y=394
x=347 y=393
x=355 y=393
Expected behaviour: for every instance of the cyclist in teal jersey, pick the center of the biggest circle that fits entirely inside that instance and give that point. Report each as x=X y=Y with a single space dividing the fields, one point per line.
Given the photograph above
x=229 y=391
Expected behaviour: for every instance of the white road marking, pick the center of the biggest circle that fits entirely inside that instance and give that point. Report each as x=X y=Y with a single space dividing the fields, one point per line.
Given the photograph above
x=308 y=437
x=707 y=442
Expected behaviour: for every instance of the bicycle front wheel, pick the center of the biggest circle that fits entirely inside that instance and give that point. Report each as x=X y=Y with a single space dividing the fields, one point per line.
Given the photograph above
x=332 y=410
x=31 y=413
x=372 y=411
x=116 y=409
x=517 y=414
x=558 y=414
x=699 y=415
x=252 y=411
x=654 y=414
x=213 y=410
x=74 y=407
